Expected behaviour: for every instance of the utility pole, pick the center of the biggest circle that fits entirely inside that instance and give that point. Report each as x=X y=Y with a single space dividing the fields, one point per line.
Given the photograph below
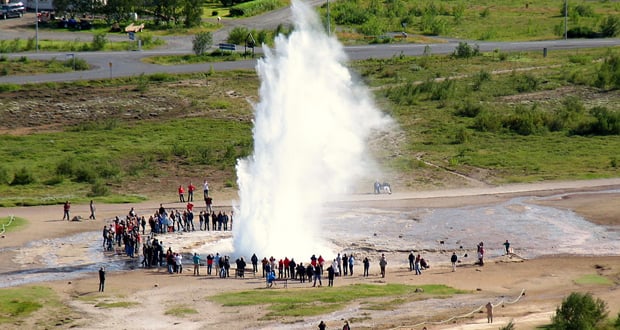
x=36 y=26
x=565 y=19
x=329 y=29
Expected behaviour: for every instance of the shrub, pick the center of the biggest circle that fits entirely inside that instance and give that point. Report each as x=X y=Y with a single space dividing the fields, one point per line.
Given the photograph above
x=480 y=78
x=487 y=121
x=78 y=64
x=4 y=175
x=22 y=177
x=66 y=167
x=525 y=83
x=237 y=35
x=509 y=326
x=526 y=121
x=98 y=189
x=99 y=41
x=581 y=32
x=582 y=10
x=610 y=26
x=462 y=136
x=85 y=174
x=464 y=50
x=579 y=311
x=608 y=74
x=202 y=41
x=469 y=109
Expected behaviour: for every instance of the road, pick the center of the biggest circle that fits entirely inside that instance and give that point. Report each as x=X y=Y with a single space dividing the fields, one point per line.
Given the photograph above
x=128 y=63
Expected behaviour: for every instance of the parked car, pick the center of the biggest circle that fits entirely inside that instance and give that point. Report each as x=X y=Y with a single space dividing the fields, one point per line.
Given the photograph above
x=12 y=10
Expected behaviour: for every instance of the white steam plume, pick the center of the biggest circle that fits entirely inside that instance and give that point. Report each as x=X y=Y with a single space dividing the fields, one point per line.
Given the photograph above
x=310 y=132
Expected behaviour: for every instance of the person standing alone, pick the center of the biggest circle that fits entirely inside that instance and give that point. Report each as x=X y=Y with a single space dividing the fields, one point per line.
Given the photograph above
x=66 y=209
x=453 y=260
x=101 y=279
x=92 y=210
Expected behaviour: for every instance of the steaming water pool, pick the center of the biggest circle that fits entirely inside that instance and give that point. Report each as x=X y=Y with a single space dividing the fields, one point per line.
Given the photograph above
x=532 y=229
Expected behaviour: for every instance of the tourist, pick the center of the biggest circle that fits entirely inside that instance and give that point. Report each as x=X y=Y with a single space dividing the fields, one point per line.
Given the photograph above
x=411 y=260
x=66 y=208
x=190 y=192
x=489 y=308
x=336 y=268
x=181 y=194
x=481 y=254
x=351 y=263
x=346 y=326
x=507 y=246
x=208 y=203
x=317 y=275
x=196 y=260
x=330 y=275
x=453 y=260
x=205 y=189
x=417 y=265
x=322 y=326
x=292 y=266
x=92 y=211
x=366 y=266
x=286 y=263
x=345 y=263
x=101 y=279
x=339 y=260
x=382 y=264
x=209 y=263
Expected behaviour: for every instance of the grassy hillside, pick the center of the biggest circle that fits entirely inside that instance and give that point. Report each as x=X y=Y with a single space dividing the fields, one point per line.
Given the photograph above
x=494 y=118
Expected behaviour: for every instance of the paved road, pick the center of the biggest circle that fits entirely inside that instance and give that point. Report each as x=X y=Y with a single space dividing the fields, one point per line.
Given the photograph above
x=128 y=63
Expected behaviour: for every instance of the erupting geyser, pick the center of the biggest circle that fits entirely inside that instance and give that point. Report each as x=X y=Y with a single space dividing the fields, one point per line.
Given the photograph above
x=310 y=132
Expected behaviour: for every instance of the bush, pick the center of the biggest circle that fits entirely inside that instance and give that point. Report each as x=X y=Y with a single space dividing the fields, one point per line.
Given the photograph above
x=579 y=311
x=98 y=189
x=581 y=32
x=526 y=121
x=608 y=74
x=85 y=174
x=469 y=109
x=99 y=41
x=66 y=167
x=202 y=41
x=237 y=35
x=525 y=83
x=610 y=26
x=487 y=121
x=464 y=50
x=23 y=177
x=4 y=175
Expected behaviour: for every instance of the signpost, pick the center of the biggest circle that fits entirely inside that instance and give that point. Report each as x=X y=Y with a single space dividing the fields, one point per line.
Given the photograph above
x=72 y=56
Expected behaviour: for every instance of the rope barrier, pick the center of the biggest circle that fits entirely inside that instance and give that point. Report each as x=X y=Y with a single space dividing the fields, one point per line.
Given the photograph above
x=464 y=315
x=11 y=218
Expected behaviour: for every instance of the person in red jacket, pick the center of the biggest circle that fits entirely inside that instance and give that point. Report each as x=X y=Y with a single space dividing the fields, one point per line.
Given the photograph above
x=190 y=192
x=181 y=194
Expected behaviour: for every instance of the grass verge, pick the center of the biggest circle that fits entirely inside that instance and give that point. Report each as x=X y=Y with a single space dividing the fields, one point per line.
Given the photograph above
x=314 y=301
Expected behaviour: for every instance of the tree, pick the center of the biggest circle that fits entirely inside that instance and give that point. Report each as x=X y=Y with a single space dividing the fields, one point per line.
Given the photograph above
x=202 y=41
x=579 y=311
x=192 y=13
x=61 y=6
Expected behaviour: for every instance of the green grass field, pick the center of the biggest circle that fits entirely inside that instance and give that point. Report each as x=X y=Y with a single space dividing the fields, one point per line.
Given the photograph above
x=310 y=301
x=514 y=117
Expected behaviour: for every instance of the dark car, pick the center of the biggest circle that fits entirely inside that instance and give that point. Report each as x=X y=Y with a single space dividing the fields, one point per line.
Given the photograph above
x=12 y=10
